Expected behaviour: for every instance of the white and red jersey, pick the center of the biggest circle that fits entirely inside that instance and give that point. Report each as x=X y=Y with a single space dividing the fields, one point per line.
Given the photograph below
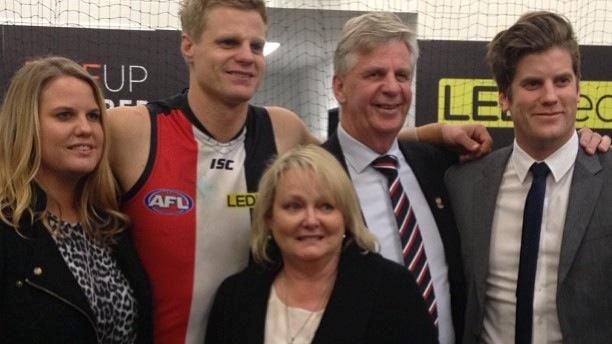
x=190 y=211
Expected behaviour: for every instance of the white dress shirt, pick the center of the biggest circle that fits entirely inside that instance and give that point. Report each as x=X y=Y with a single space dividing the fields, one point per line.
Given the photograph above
x=504 y=256
x=373 y=194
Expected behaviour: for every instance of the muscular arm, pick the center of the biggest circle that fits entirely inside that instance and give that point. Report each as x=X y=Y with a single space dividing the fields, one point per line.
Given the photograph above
x=289 y=129
x=130 y=136
x=471 y=140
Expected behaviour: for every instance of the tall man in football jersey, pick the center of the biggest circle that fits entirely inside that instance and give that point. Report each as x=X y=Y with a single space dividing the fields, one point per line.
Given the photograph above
x=189 y=164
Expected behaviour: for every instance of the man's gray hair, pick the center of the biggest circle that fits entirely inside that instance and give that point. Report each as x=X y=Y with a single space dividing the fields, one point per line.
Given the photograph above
x=364 y=33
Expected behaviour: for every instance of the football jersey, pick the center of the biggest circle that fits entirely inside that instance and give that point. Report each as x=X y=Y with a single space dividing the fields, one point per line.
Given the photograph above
x=190 y=212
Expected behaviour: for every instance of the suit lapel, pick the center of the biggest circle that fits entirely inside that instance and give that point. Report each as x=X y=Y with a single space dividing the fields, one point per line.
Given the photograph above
x=584 y=192
x=332 y=145
x=429 y=174
x=423 y=174
x=483 y=197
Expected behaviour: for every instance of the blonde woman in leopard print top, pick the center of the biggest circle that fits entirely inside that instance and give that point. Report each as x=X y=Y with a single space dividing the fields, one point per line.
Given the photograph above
x=68 y=270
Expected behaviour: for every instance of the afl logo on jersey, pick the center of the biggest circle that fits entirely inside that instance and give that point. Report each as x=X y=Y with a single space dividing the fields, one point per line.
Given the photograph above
x=168 y=202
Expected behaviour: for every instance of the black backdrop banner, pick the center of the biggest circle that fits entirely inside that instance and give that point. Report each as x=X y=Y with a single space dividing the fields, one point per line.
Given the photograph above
x=454 y=85
x=132 y=66
x=453 y=82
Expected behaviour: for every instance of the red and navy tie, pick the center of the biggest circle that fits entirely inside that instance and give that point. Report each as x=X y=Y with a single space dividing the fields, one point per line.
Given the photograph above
x=413 y=250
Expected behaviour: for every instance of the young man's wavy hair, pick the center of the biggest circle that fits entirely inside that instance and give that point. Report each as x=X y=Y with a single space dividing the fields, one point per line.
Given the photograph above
x=534 y=32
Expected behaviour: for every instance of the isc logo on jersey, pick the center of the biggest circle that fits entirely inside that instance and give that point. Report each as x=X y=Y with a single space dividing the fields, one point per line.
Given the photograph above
x=168 y=202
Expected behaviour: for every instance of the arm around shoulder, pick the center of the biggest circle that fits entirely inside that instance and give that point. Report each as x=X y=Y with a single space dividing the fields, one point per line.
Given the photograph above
x=289 y=129
x=471 y=141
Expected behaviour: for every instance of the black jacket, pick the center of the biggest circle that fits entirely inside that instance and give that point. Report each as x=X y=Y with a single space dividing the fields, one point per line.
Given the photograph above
x=374 y=300
x=40 y=300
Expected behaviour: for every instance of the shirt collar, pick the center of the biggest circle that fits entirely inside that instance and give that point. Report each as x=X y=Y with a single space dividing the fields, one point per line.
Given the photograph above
x=559 y=162
x=359 y=156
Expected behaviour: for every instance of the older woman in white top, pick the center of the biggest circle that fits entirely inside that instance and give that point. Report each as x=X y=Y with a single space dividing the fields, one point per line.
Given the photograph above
x=316 y=278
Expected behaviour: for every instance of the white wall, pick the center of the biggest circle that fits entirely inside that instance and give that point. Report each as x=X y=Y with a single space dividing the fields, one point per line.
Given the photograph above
x=348 y=5
x=437 y=19
x=482 y=19
x=152 y=14
x=132 y=14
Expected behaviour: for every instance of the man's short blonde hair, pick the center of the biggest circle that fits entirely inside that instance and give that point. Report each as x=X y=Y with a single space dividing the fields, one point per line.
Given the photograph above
x=193 y=13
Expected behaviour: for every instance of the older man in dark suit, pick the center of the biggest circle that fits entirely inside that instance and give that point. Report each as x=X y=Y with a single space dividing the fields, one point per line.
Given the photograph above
x=374 y=65
x=534 y=217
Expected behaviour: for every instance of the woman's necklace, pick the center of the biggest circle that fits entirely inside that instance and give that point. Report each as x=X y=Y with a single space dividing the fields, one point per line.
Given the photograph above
x=291 y=337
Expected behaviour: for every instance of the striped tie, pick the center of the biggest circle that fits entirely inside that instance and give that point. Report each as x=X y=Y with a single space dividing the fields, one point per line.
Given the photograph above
x=410 y=235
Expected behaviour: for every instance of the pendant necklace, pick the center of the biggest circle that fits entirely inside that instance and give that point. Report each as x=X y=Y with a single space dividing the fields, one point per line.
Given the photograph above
x=291 y=338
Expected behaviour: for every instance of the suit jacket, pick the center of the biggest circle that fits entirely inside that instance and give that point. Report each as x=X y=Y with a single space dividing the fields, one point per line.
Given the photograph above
x=429 y=165
x=41 y=301
x=584 y=286
x=373 y=300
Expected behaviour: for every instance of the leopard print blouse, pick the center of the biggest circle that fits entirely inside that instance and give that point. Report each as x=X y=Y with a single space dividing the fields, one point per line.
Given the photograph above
x=110 y=296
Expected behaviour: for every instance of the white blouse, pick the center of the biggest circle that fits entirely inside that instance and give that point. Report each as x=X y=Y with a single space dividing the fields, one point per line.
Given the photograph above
x=302 y=323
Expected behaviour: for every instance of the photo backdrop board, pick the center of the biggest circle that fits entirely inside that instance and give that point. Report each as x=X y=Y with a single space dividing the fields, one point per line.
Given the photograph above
x=132 y=47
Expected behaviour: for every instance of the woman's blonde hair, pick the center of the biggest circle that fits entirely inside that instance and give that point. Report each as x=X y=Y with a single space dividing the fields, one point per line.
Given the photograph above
x=330 y=176
x=20 y=153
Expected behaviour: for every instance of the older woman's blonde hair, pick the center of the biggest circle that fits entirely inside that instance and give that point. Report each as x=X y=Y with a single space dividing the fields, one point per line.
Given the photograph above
x=20 y=152
x=330 y=176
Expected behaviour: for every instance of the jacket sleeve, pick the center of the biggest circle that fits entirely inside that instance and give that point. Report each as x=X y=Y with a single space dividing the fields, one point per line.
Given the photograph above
x=218 y=328
x=2 y=260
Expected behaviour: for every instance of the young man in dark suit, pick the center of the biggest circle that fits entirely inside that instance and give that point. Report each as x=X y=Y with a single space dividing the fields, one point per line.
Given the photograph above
x=534 y=217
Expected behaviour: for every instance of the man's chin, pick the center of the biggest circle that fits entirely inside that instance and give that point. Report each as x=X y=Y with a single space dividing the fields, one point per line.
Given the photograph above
x=390 y=128
x=238 y=98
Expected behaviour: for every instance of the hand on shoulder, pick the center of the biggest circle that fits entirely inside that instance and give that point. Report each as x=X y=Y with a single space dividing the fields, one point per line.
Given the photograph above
x=471 y=141
x=591 y=141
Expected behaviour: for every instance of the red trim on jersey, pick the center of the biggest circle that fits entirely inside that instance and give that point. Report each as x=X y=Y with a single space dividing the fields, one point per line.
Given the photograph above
x=168 y=256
